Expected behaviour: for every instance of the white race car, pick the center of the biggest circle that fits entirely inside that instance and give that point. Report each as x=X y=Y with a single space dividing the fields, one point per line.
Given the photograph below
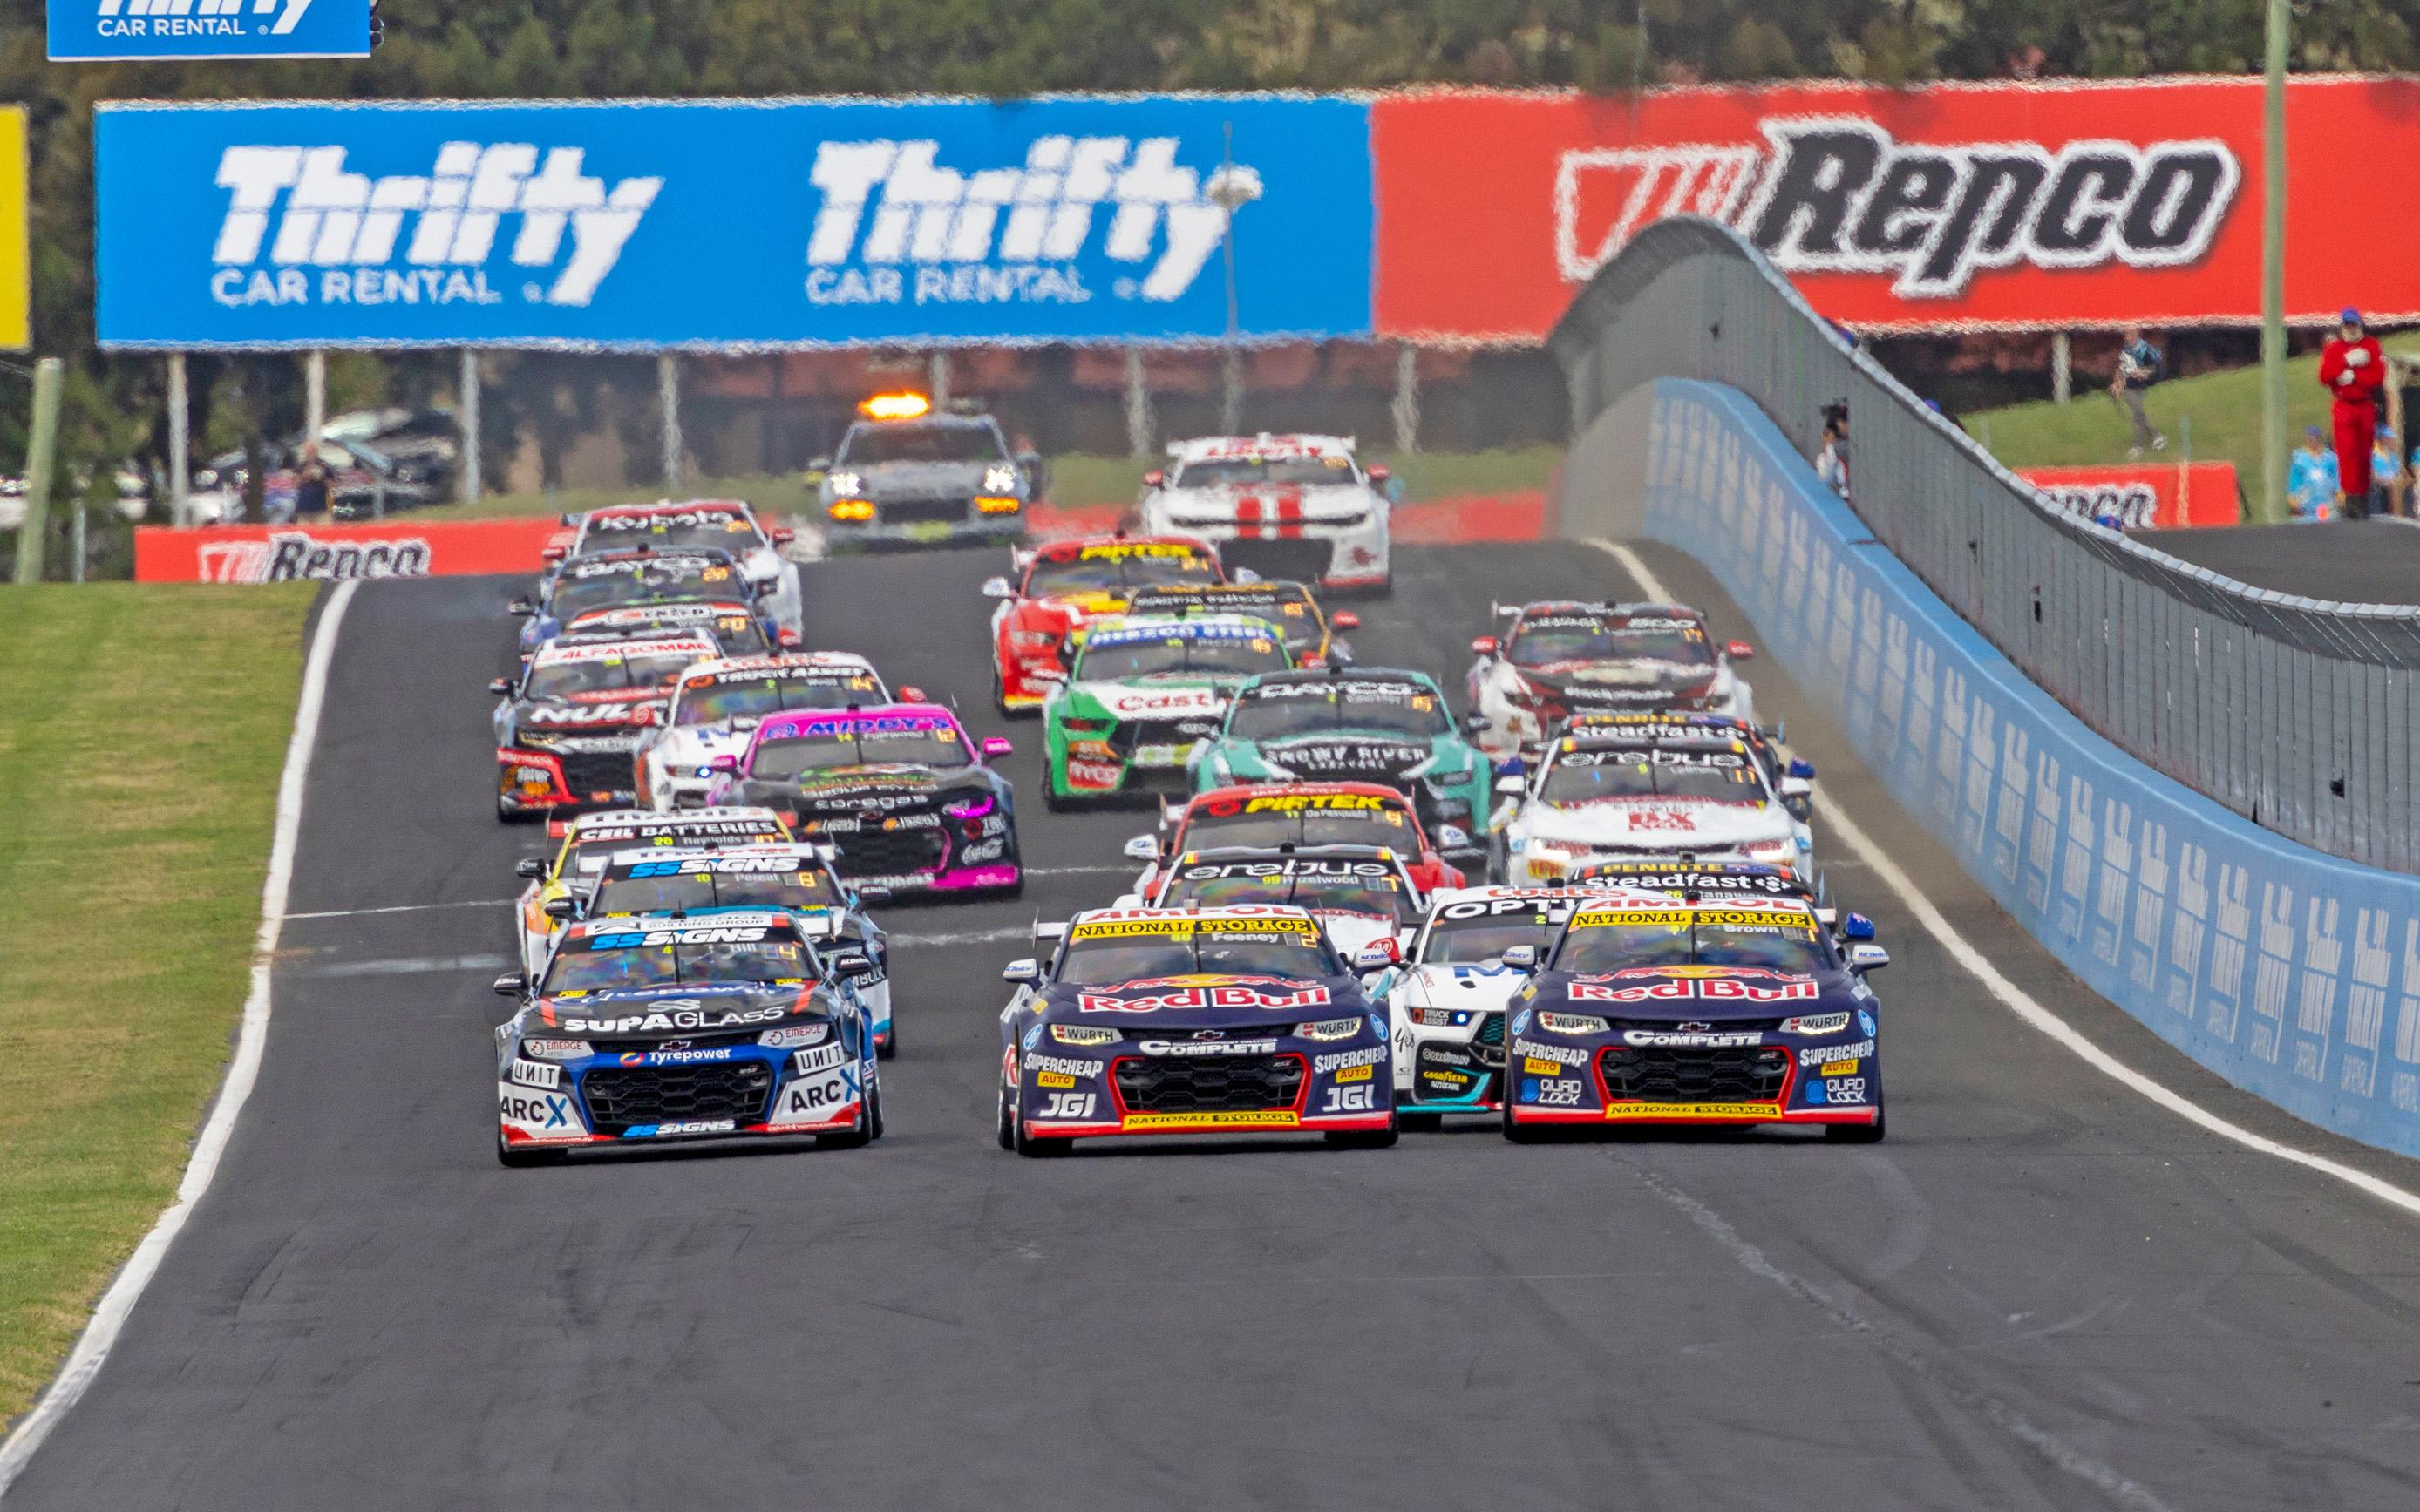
x=724 y=524
x=1615 y=796
x=1558 y=660
x=718 y=703
x=1294 y=507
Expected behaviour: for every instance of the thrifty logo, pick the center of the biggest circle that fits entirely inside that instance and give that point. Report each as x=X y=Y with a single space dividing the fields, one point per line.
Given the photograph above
x=291 y=12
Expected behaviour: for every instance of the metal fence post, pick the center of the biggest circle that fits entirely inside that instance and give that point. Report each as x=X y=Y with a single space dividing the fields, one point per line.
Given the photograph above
x=668 y=404
x=180 y=444
x=1138 y=407
x=466 y=412
x=1406 y=408
x=2062 y=368
x=40 y=449
x=315 y=395
x=937 y=379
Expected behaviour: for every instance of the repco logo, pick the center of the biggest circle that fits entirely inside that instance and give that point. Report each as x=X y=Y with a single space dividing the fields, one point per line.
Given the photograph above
x=1841 y=195
x=2121 y=506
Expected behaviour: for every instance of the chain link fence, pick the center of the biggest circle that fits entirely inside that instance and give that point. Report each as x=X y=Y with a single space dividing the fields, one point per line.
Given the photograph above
x=2300 y=713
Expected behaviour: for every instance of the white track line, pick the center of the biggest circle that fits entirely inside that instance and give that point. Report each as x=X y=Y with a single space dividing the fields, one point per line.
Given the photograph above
x=109 y=1318
x=2023 y=1003
x=406 y=908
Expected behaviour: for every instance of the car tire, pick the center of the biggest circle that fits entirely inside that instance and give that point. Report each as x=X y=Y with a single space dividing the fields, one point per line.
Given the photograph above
x=1855 y=1133
x=1051 y=798
x=1032 y=1149
x=1519 y=1135
x=886 y=1046
x=1420 y=1122
x=1365 y=1138
x=856 y=1139
x=874 y=1097
x=1007 y=1121
x=507 y=814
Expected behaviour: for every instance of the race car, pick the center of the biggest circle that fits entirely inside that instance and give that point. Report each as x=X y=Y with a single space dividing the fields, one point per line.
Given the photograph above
x=1559 y=659
x=1360 y=894
x=721 y=524
x=906 y=474
x=718 y=702
x=1137 y=699
x=797 y=879
x=734 y=627
x=658 y=1028
x=1308 y=631
x=1720 y=879
x=567 y=728
x=1729 y=1011
x=1266 y=815
x=1215 y=1020
x=1054 y=590
x=611 y=579
x=1790 y=777
x=1362 y=725
x=589 y=841
x=1296 y=507
x=1612 y=797
x=905 y=796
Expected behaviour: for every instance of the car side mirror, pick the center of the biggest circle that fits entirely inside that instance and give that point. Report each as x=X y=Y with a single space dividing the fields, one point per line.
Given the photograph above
x=873 y=893
x=725 y=763
x=1867 y=958
x=1378 y=955
x=1857 y=927
x=521 y=608
x=1378 y=472
x=856 y=964
x=910 y=693
x=1739 y=651
x=553 y=553
x=1142 y=848
x=1344 y=619
x=763 y=588
x=561 y=910
x=996 y=746
x=1484 y=646
x=1521 y=957
x=511 y=984
x=532 y=867
x=1512 y=786
x=997 y=588
x=1023 y=971
x=1795 y=787
x=782 y=535
x=1244 y=577
x=1802 y=769
x=1154 y=479
x=1473 y=722
x=501 y=686
x=821 y=464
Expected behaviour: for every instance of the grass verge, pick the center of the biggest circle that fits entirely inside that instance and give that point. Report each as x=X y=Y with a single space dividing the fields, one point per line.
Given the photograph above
x=142 y=731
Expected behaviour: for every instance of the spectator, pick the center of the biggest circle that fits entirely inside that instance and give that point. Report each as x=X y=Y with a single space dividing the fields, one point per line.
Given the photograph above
x=2139 y=366
x=1832 y=457
x=311 y=484
x=2385 y=473
x=2311 y=479
x=2354 y=370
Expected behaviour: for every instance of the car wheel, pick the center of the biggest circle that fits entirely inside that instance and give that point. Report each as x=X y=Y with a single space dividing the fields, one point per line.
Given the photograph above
x=1051 y=798
x=885 y=1044
x=1032 y=1149
x=1519 y=1135
x=1007 y=1118
x=507 y=813
x=1364 y=1138
x=1856 y=1134
x=1420 y=1122
x=519 y=1157
x=874 y=1097
x=856 y=1139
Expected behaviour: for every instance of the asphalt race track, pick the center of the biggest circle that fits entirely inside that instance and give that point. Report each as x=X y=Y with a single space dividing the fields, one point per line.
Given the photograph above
x=2043 y=1292
x=2353 y=562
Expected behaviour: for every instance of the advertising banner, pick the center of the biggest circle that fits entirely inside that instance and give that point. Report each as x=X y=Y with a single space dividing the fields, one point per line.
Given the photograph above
x=2143 y=496
x=89 y=31
x=647 y=225
x=16 y=243
x=289 y=553
x=1955 y=206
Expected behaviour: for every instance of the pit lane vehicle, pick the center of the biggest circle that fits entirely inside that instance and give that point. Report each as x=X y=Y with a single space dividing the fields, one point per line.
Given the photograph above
x=908 y=475
x=724 y=525
x=590 y=840
x=1789 y=776
x=1233 y=1020
x=1734 y=1011
x=1308 y=631
x=737 y=629
x=1361 y=724
x=1613 y=797
x=611 y=579
x=657 y=1030
x=905 y=796
x=1054 y=590
x=718 y=703
x=1139 y=698
x=1559 y=659
x=1296 y=507
x=1266 y=815
x=568 y=728
x=1361 y=895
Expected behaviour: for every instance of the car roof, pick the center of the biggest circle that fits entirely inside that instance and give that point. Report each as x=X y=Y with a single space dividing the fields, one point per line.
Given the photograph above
x=1355 y=674
x=1267 y=443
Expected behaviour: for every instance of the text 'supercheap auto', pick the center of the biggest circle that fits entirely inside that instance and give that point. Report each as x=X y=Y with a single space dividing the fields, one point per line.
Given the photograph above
x=1310 y=946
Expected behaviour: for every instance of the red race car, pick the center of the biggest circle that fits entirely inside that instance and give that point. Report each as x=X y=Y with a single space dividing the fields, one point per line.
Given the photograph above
x=1053 y=589
x=1263 y=816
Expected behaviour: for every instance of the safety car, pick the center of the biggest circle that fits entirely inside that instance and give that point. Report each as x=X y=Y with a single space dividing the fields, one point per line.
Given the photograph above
x=590 y=840
x=909 y=474
x=1556 y=659
x=718 y=703
x=728 y=525
x=1054 y=590
x=1613 y=796
x=566 y=730
x=1266 y=815
x=1297 y=507
x=1361 y=895
x=1140 y=697
x=636 y=575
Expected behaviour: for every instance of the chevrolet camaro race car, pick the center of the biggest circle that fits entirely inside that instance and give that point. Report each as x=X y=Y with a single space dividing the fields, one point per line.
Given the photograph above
x=719 y=703
x=1296 y=507
x=1555 y=660
x=1789 y=776
x=734 y=627
x=1139 y=699
x=612 y=579
x=905 y=475
x=1361 y=895
x=1055 y=590
x=567 y=729
x=1308 y=630
x=1231 y=1020
x=1362 y=725
x=654 y=1029
x=1266 y=815
x=1734 y=1011
x=1609 y=797
x=724 y=525
x=905 y=797
x=592 y=840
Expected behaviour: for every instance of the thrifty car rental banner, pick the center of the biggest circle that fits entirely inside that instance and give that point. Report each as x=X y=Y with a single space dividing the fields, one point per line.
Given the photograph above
x=2007 y=206
x=640 y=224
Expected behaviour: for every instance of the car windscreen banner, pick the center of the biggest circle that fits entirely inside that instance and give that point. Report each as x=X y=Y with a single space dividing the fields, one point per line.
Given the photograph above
x=302 y=553
x=655 y=224
x=2143 y=496
x=1953 y=207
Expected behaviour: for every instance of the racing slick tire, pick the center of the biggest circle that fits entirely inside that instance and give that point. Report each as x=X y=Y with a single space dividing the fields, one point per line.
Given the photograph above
x=1007 y=1121
x=519 y=1159
x=1032 y=1149
x=1364 y=1138
x=1420 y=1122
x=876 y=1098
x=886 y=1046
x=1855 y=1133
x=1515 y=1132
x=507 y=814
x=1051 y=798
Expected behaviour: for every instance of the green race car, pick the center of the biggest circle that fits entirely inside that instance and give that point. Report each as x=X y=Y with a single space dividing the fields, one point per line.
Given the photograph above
x=1357 y=724
x=1139 y=695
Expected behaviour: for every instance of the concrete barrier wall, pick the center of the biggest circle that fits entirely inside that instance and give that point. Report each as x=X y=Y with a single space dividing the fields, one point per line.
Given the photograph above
x=2292 y=973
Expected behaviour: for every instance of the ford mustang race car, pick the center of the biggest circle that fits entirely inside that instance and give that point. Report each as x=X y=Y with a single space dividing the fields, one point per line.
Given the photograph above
x=1790 y=777
x=567 y=728
x=651 y=1029
x=1561 y=659
x=612 y=580
x=1359 y=725
x=1360 y=894
x=592 y=840
x=734 y=627
x=905 y=475
x=1147 y=1020
x=1290 y=606
x=1137 y=699
x=1058 y=588
x=905 y=797
x=721 y=524
x=1731 y=1012
x=1609 y=797
x=718 y=703
x=1296 y=507
x=1268 y=815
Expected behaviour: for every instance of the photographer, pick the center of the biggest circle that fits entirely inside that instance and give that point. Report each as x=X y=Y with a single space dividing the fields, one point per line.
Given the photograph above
x=1832 y=457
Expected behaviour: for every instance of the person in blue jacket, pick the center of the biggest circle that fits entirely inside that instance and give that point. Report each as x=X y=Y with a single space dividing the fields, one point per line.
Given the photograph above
x=2311 y=479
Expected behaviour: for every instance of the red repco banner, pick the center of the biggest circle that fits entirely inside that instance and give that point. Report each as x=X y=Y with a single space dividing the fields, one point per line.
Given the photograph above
x=284 y=553
x=2144 y=497
x=1971 y=206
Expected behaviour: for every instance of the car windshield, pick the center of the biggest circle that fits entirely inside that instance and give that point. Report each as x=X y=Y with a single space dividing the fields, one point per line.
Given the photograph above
x=713 y=699
x=1321 y=887
x=598 y=965
x=1097 y=955
x=1265 y=824
x=679 y=579
x=858 y=743
x=1271 y=711
x=737 y=632
x=1194 y=654
x=634 y=669
x=1612 y=940
x=722 y=530
x=1553 y=639
x=1476 y=933
x=1581 y=776
x=1287 y=606
x=1265 y=471
x=1117 y=570
x=913 y=440
x=670 y=887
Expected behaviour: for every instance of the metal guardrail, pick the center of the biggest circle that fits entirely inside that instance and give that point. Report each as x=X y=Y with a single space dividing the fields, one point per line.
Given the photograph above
x=2303 y=715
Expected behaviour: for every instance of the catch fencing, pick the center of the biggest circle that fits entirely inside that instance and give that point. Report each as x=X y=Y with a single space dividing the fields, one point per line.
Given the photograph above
x=2301 y=715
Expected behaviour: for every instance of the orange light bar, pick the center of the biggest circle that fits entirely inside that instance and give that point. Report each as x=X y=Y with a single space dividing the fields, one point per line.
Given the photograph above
x=1003 y=505
x=896 y=407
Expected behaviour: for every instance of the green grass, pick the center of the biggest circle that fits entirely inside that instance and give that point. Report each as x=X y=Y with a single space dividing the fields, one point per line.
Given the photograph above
x=142 y=731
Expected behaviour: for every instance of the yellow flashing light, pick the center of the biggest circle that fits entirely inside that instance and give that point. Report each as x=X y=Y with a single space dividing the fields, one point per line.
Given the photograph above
x=1002 y=505
x=896 y=407
x=850 y=509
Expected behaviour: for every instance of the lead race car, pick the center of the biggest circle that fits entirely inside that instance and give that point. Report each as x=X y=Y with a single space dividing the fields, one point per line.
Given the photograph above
x=1559 y=659
x=1152 y=1021
x=568 y=728
x=1296 y=507
x=1735 y=1011
x=724 y=525
x=718 y=703
x=1140 y=696
x=655 y=1029
x=1054 y=591
x=1613 y=796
